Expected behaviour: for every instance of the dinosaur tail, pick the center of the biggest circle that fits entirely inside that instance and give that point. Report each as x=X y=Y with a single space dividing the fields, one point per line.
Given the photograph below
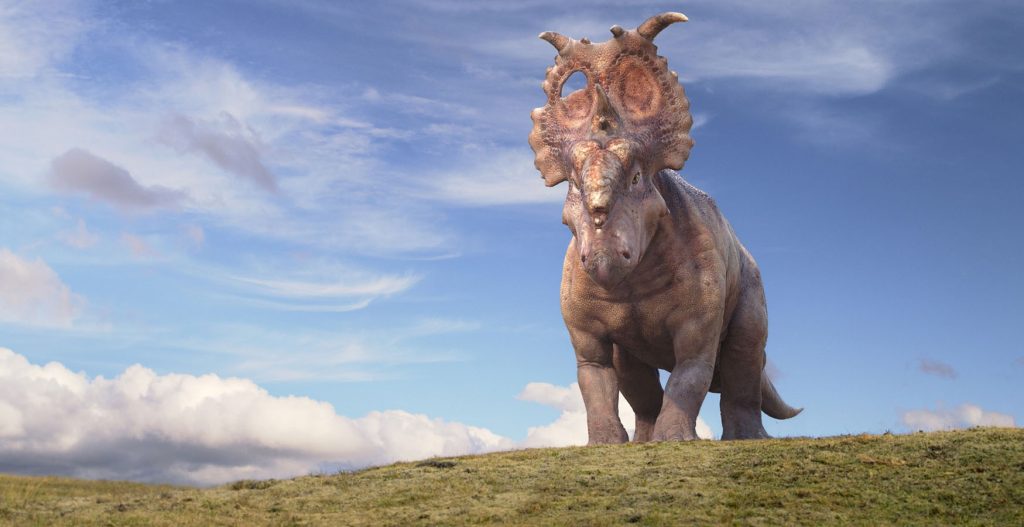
x=772 y=403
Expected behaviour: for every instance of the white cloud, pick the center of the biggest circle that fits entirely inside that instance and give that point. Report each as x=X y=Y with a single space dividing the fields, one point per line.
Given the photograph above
x=206 y=429
x=31 y=293
x=571 y=426
x=964 y=416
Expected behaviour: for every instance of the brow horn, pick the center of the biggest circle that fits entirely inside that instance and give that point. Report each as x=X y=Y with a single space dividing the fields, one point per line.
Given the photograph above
x=652 y=26
x=556 y=40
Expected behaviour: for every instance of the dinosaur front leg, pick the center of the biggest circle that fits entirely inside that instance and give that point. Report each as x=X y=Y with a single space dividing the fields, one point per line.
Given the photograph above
x=685 y=391
x=641 y=386
x=600 y=389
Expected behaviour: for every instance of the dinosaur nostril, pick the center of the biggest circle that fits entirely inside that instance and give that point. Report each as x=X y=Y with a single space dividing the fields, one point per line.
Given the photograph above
x=583 y=258
x=625 y=254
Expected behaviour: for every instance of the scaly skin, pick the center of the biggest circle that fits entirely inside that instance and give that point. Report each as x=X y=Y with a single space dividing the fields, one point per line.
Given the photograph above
x=654 y=277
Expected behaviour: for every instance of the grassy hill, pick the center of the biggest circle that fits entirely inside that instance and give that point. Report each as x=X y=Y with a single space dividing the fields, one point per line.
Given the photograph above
x=964 y=477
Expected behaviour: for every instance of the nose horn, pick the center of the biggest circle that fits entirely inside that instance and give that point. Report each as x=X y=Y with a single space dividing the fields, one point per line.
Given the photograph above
x=600 y=172
x=605 y=118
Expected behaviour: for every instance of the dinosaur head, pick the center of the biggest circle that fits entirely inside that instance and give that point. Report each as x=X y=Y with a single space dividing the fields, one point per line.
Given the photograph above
x=609 y=139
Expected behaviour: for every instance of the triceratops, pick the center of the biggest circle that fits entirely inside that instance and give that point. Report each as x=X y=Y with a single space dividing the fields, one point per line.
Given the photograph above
x=654 y=276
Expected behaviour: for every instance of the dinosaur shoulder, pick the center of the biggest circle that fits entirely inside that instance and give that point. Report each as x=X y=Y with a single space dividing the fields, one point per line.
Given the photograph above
x=682 y=197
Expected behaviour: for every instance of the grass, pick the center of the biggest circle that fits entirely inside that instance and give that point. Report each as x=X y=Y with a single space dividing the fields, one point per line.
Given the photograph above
x=944 y=478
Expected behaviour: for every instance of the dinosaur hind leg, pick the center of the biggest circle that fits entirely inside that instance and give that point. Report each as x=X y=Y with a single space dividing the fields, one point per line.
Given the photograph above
x=741 y=361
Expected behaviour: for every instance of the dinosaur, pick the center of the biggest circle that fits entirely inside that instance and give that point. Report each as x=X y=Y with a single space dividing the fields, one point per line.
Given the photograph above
x=654 y=277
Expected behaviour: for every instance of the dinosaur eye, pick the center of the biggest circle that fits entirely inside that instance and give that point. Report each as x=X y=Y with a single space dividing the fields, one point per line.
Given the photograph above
x=636 y=177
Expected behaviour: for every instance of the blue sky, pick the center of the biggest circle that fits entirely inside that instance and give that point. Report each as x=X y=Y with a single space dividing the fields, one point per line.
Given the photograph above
x=325 y=203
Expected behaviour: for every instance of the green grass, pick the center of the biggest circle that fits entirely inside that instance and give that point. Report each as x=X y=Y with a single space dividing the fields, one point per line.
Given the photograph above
x=964 y=477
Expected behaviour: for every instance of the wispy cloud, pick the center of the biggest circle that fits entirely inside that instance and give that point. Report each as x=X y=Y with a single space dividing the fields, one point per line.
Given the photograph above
x=224 y=127
x=332 y=307
x=80 y=237
x=417 y=104
x=493 y=177
x=196 y=235
x=315 y=287
x=35 y=34
x=964 y=416
x=345 y=354
x=817 y=61
x=379 y=286
x=949 y=89
x=822 y=125
x=31 y=293
x=226 y=143
x=700 y=119
x=936 y=368
x=818 y=56
x=138 y=245
x=437 y=326
x=820 y=53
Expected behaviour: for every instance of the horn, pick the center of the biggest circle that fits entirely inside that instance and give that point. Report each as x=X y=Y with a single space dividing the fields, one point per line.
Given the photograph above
x=652 y=26
x=556 y=40
x=617 y=31
x=602 y=106
x=603 y=113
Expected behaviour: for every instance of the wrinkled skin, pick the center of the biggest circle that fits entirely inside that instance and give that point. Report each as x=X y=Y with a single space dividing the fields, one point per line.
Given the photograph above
x=654 y=277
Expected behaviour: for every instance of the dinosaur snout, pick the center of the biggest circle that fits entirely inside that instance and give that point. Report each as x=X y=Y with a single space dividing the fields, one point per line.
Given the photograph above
x=605 y=259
